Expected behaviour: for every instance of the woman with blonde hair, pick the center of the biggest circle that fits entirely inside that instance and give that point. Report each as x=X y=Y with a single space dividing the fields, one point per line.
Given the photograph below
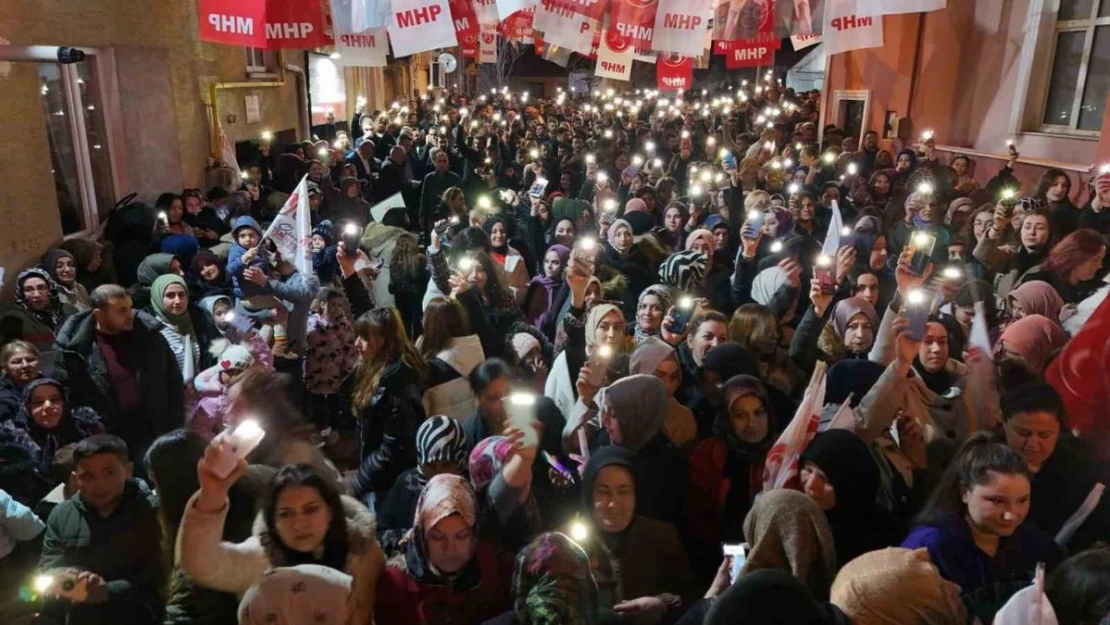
x=755 y=328
x=386 y=396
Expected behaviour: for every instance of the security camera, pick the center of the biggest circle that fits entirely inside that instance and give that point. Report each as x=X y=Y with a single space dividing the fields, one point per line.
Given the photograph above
x=68 y=55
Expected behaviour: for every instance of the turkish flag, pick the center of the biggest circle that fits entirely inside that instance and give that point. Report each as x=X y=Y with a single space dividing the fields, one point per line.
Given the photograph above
x=241 y=23
x=635 y=19
x=1080 y=374
x=297 y=24
x=674 y=72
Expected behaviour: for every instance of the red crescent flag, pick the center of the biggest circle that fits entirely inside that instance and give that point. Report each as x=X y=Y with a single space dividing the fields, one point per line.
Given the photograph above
x=674 y=72
x=634 y=19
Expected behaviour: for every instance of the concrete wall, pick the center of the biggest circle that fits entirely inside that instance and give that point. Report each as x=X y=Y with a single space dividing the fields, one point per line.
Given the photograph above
x=162 y=92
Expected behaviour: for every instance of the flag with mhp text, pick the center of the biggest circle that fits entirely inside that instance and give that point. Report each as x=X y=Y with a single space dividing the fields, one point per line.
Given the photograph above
x=291 y=230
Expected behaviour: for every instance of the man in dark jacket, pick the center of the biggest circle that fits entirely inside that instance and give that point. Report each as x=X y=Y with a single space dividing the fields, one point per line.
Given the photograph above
x=123 y=370
x=435 y=184
x=392 y=177
x=106 y=541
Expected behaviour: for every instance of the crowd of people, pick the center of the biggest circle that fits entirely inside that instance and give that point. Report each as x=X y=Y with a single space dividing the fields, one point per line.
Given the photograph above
x=609 y=358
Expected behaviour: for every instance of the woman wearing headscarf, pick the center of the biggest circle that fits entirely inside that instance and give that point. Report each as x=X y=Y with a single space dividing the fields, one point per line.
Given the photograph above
x=516 y=270
x=306 y=593
x=641 y=568
x=152 y=266
x=540 y=297
x=726 y=471
x=169 y=299
x=37 y=313
x=785 y=530
x=839 y=473
x=1032 y=342
x=62 y=267
x=769 y=597
x=654 y=356
x=905 y=164
x=46 y=422
x=500 y=470
x=872 y=254
x=87 y=254
x=603 y=325
x=444 y=573
x=552 y=585
x=897 y=586
x=715 y=285
x=623 y=254
x=850 y=332
x=633 y=411
x=440 y=448
x=1034 y=297
x=652 y=307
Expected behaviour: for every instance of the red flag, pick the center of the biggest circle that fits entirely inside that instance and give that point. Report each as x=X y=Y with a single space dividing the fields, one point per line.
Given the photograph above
x=234 y=23
x=518 y=25
x=634 y=19
x=674 y=72
x=537 y=44
x=1080 y=374
x=614 y=56
x=747 y=54
x=597 y=44
x=297 y=24
x=466 y=21
x=469 y=46
x=781 y=467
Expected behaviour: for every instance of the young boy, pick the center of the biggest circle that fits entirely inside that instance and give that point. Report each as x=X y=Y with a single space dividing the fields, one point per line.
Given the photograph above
x=245 y=253
x=105 y=541
x=324 y=262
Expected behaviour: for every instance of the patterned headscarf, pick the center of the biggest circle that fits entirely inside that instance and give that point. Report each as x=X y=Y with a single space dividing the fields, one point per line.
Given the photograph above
x=307 y=593
x=683 y=270
x=486 y=460
x=552 y=583
x=666 y=300
x=52 y=315
x=443 y=496
x=440 y=439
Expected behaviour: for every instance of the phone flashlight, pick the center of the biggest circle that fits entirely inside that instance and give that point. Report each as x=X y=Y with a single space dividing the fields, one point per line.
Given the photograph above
x=590 y=159
x=588 y=244
x=829 y=157
x=649 y=146
x=579 y=531
x=925 y=188
x=484 y=202
x=602 y=177
x=952 y=273
x=466 y=263
x=610 y=205
x=853 y=169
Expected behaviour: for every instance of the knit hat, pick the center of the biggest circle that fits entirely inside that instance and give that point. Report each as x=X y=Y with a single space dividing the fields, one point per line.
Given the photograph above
x=235 y=358
x=326 y=231
x=635 y=205
x=683 y=270
x=314 y=189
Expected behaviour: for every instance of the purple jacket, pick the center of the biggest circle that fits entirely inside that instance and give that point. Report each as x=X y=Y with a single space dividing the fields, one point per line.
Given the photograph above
x=959 y=560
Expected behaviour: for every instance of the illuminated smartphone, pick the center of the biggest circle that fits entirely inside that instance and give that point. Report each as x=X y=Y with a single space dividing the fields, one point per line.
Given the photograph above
x=755 y=220
x=599 y=364
x=739 y=554
x=683 y=311
x=538 y=188
x=240 y=442
x=922 y=244
x=916 y=308
x=521 y=411
x=825 y=274
x=352 y=235
x=729 y=161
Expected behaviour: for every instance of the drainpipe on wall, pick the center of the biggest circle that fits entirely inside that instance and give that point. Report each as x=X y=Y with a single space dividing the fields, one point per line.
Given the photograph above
x=303 y=117
x=214 y=89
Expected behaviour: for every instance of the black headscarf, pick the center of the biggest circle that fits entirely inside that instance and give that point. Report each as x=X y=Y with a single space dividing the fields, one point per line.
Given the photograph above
x=610 y=455
x=771 y=597
x=52 y=315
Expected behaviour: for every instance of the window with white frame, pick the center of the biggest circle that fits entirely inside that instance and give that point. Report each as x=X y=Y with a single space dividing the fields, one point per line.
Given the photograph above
x=80 y=158
x=261 y=61
x=1079 y=68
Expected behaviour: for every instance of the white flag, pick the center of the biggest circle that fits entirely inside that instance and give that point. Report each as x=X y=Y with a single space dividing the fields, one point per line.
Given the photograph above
x=366 y=49
x=846 y=30
x=614 y=56
x=291 y=230
x=801 y=42
x=356 y=16
x=680 y=26
x=781 y=467
x=420 y=25
x=227 y=155
x=487 y=47
x=979 y=338
x=897 y=7
x=845 y=417
x=832 y=237
x=505 y=8
x=378 y=211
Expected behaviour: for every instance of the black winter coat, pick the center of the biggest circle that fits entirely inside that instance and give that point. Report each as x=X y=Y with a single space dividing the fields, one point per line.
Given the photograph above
x=387 y=429
x=82 y=370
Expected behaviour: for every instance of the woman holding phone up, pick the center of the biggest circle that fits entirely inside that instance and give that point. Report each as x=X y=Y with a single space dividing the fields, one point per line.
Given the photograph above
x=304 y=520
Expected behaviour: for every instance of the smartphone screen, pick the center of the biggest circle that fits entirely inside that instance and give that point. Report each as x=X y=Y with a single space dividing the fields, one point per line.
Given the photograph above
x=917 y=308
x=538 y=187
x=683 y=311
x=521 y=411
x=739 y=554
x=922 y=244
x=755 y=221
x=599 y=365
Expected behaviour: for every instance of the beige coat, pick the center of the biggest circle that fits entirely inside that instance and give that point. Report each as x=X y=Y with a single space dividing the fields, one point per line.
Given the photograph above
x=234 y=568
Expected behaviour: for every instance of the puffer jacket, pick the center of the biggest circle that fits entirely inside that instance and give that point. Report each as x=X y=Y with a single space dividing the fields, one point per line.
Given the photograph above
x=235 y=568
x=448 y=384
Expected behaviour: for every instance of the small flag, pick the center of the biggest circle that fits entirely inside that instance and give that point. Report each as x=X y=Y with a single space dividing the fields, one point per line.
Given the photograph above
x=291 y=230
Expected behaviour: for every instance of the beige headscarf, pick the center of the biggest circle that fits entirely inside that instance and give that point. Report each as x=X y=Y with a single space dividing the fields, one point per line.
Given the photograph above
x=308 y=593
x=787 y=531
x=897 y=585
x=680 y=427
x=444 y=495
x=593 y=319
